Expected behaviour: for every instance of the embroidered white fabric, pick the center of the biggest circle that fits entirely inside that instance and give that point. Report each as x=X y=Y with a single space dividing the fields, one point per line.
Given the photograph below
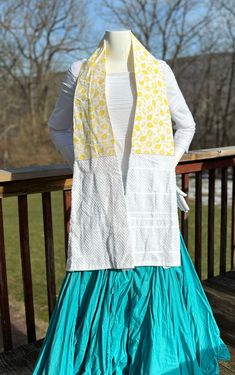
x=117 y=227
x=121 y=96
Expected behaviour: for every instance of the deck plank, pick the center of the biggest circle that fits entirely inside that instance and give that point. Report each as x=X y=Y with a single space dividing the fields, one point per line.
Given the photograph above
x=220 y=291
x=228 y=367
x=21 y=360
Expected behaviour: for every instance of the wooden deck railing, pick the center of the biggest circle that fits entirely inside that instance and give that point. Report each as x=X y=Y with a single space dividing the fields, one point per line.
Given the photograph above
x=21 y=182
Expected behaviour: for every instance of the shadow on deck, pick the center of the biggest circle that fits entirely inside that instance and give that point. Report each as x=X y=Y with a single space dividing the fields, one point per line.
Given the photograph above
x=220 y=291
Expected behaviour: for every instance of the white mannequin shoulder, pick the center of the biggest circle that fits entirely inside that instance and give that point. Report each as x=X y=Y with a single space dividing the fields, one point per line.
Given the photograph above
x=165 y=67
x=75 y=67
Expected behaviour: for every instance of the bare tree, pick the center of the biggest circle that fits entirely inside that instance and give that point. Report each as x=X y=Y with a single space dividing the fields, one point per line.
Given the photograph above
x=168 y=28
x=228 y=14
x=40 y=38
x=35 y=38
x=214 y=93
x=193 y=37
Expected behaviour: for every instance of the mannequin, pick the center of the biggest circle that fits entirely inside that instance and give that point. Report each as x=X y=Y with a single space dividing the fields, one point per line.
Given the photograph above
x=119 y=59
x=143 y=320
x=118 y=50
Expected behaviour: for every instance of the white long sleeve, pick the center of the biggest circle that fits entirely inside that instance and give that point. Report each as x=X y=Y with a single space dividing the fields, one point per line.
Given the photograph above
x=61 y=119
x=185 y=125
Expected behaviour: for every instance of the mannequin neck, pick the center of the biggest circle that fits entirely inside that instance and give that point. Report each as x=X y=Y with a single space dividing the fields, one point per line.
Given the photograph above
x=118 y=51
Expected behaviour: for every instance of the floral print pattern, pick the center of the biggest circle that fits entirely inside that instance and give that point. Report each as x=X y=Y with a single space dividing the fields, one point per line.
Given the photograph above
x=152 y=131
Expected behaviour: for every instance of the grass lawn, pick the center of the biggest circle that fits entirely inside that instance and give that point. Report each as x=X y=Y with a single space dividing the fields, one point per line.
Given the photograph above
x=37 y=246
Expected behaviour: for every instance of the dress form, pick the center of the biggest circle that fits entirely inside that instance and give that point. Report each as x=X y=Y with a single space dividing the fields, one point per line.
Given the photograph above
x=119 y=59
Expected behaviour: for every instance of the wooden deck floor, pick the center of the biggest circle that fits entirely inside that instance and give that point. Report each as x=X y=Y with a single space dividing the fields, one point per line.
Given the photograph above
x=221 y=295
x=220 y=291
x=21 y=361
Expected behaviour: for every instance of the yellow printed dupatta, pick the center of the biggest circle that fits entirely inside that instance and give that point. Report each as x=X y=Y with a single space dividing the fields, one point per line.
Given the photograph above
x=152 y=130
x=112 y=225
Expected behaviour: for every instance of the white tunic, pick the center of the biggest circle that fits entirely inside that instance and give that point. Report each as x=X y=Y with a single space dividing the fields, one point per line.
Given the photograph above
x=121 y=99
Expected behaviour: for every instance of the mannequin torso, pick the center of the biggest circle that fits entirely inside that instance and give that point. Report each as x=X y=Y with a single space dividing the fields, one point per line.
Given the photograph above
x=120 y=59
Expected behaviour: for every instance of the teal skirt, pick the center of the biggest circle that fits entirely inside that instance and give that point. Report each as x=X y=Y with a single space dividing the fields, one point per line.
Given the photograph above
x=142 y=321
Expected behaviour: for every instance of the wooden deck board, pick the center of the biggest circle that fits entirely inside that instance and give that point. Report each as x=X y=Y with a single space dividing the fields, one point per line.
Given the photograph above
x=228 y=367
x=21 y=360
x=220 y=292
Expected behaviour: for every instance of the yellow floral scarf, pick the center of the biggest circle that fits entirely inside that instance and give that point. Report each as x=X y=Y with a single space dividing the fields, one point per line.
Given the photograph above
x=92 y=130
x=115 y=224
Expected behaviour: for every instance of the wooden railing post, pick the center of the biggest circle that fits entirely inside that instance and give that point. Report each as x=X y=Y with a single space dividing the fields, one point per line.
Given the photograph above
x=198 y=224
x=49 y=251
x=26 y=266
x=233 y=221
x=4 y=301
x=211 y=223
x=223 y=220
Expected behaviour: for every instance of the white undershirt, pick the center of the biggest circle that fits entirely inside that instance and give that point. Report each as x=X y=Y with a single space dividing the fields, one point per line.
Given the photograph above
x=121 y=102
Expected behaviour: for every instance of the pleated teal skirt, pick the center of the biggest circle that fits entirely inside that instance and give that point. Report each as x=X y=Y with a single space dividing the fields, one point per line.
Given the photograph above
x=142 y=321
